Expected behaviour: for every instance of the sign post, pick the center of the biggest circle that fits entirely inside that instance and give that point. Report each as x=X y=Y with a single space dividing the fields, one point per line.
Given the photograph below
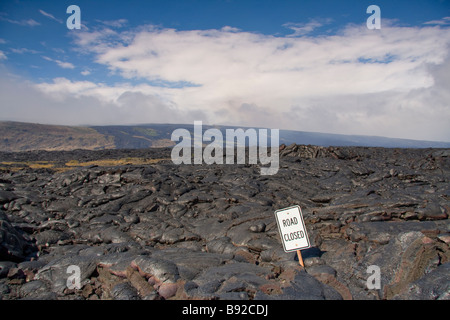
x=300 y=259
x=292 y=230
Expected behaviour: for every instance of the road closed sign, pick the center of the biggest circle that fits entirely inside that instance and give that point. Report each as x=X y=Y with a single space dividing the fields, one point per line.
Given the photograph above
x=292 y=229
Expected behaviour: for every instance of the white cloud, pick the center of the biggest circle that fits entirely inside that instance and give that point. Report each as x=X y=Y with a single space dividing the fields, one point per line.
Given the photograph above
x=28 y=22
x=83 y=102
x=85 y=72
x=2 y=56
x=224 y=60
x=48 y=15
x=62 y=64
x=119 y=23
x=24 y=50
x=301 y=29
x=443 y=21
x=65 y=65
x=386 y=82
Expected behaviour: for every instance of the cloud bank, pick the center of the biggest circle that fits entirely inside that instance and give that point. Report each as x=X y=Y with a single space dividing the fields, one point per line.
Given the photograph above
x=50 y=16
x=390 y=82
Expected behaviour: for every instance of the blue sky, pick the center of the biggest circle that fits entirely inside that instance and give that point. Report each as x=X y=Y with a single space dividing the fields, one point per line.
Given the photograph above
x=301 y=65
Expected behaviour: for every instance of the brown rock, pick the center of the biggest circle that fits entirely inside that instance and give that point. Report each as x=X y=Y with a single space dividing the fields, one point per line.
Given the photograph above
x=87 y=290
x=139 y=282
x=168 y=290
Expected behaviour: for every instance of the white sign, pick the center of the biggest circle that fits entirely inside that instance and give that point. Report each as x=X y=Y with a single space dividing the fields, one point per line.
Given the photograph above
x=292 y=229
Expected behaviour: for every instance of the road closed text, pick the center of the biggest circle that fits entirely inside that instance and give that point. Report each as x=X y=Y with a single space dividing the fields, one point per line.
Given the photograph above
x=292 y=235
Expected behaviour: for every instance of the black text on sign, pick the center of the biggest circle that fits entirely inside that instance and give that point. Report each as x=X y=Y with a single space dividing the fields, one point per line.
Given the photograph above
x=292 y=229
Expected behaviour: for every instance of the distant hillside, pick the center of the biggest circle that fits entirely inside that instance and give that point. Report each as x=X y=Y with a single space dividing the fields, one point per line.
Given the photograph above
x=327 y=139
x=19 y=136
x=139 y=137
